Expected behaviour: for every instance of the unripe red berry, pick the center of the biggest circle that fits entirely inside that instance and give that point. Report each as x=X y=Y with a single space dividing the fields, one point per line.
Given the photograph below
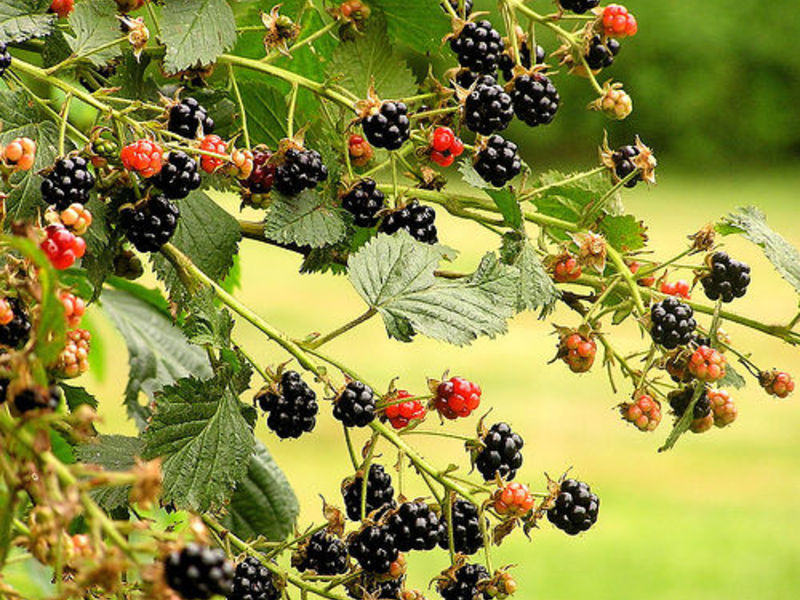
x=360 y=150
x=457 y=397
x=515 y=499
x=212 y=143
x=618 y=22
x=62 y=8
x=723 y=407
x=143 y=156
x=577 y=351
x=644 y=413
x=62 y=247
x=443 y=138
x=677 y=288
x=566 y=269
x=707 y=364
x=648 y=281
x=776 y=383
x=400 y=414
x=6 y=313
x=74 y=308
x=19 y=154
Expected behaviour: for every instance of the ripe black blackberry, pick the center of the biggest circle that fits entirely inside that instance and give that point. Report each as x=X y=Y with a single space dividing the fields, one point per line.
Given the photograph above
x=624 y=165
x=263 y=176
x=575 y=508
x=17 y=332
x=535 y=99
x=601 y=53
x=465 y=586
x=323 y=553
x=189 y=119
x=300 y=170
x=197 y=572
x=355 y=405
x=150 y=223
x=388 y=128
x=728 y=278
x=699 y=339
x=5 y=58
x=178 y=176
x=467 y=535
x=34 y=398
x=415 y=527
x=578 y=6
x=478 y=47
x=253 y=581
x=465 y=78
x=374 y=548
x=292 y=406
x=380 y=493
x=364 y=202
x=487 y=108
x=500 y=454
x=467 y=7
x=415 y=218
x=673 y=323
x=679 y=401
x=69 y=182
x=498 y=162
x=507 y=63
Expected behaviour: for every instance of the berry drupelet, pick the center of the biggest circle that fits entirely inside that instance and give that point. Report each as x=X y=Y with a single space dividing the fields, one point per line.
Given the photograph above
x=178 y=177
x=461 y=12
x=673 y=323
x=478 y=47
x=575 y=508
x=5 y=58
x=300 y=170
x=364 y=201
x=149 y=224
x=487 y=108
x=69 y=182
x=467 y=535
x=579 y=6
x=498 y=162
x=262 y=177
x=728 y=278
x=198 y=572
x=323 y=553
x=601 y=53
x=500 y=454
x=464 y=583
x=624 y=165
x=457 y=397
x=415 y=527
x=292 y=407
x=189 y=119
x=389 y=127
x=535 y=99
x=380 y=493
x=253 y=581
x=415 y=218
x=17 y=331
x=679 y=401
x=374 y=548
x=355 y=405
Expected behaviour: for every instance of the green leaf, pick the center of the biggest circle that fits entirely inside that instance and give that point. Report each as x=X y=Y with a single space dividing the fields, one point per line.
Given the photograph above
x=568 y=201
x=509 y=207
x=623 y=232
x=60 y=448
x=305 y=220
x=536 y=289
x=196 y=32
x=418 y=24
x=263 y=504
x=470 y=176
x=267 y=112
x=783 y=256
x=159 y=353
x=22 y=20
x=371 y=59
x=395 y=276
x=102 y=244
x=733 y=379
x=113 y=453
x=95 y=25
x=200 y=433
x=77 y=396
x=207 y=323
x=133 y=80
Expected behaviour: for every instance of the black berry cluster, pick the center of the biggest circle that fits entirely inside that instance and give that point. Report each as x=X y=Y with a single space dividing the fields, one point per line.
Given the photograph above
x=624 y=165
x=323 y=553
x=467 y=535
x=300 y=170
x=37 y=399
x=17 y=332
x=5 y=58
x=374 y=548
x=417 y=219
x=535 y=99
x=415 y=527
x=465 y=585
x=364 y=201
x=601 y=52
x=462 y=13
x=149 y=224
x=507 y=63
x=579 y=6
x=292 y=407
x=178 y=176
x=189 y=118
x=487 y=107
x=197 y=572
x=728 y=278
x=262 y=178
x=478 y=47
x=355 y=406
x=498 y=163
x=500 y=454
x=679 y=401
x=380 y=493
x=70 y=181
x=253 y=581
x=575 y=508
x=389 y=127
x=673 y=323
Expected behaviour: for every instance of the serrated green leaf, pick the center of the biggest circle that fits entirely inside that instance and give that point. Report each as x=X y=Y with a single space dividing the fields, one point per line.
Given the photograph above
x=77 y=396
x=196 y=32
x=55 y=48
x=568 y=201
x=507 y=203
x=267 y=112
x=418 y=24
x=305 y=220
x=113 y=453
x=133 y=80
x=470 y=176
x=623 y=232
x=263 y=504
x=536 y=289
x=159 y=353
x=95 y=25
x=60 y=448
x=204 y=441
x=783 y=256
x=22 y=20
x=207 y=323
x=395 y=276
x=370 y=59
x=732 y=379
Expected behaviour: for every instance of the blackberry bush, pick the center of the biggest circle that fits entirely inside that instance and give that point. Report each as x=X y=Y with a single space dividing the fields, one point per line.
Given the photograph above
x=292 y=406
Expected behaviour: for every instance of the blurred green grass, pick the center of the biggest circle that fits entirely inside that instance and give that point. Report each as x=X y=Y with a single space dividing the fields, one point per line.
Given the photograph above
x=715 y=518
